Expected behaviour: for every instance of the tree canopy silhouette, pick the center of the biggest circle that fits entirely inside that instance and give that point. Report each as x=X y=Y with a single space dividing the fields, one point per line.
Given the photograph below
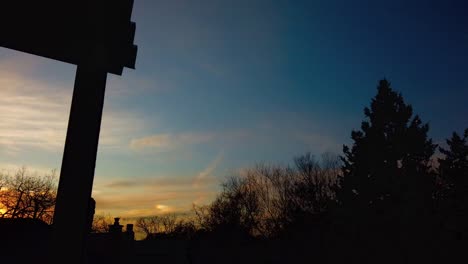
x=25 y=195
x=387 y=184
x=391 y=155
x=272 y=201
x=453 y=170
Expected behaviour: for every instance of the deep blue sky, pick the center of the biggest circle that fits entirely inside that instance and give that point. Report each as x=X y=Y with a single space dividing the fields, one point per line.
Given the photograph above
x=222 y=85
x=235 y=62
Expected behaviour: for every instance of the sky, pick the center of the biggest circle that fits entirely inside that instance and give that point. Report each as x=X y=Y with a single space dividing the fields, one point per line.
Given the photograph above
x=220 y=86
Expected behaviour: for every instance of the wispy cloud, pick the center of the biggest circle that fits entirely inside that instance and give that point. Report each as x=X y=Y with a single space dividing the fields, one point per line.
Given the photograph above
x=34 y=112
x=207 y=173
x=163 y=182
x=284 y=132
x=11 y=168
x=167 y=142
x=127 y=203
x=147 y=196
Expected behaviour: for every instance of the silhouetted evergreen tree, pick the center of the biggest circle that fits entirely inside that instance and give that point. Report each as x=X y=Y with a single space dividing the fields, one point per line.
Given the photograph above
x=387 y=184
x=453 y=169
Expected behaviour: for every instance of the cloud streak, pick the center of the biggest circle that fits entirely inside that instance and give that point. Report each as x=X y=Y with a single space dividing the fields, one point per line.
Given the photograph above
x=34 y=112
x=168 y=142
x=207 y=173
x=284 y=132
x=149 y=196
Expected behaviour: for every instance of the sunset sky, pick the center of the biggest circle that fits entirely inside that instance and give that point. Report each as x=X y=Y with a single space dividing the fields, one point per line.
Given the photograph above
x=222 y=85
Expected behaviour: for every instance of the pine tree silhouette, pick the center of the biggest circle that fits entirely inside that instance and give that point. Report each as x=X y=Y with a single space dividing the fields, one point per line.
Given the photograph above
x=386 y=188
x=453 y=169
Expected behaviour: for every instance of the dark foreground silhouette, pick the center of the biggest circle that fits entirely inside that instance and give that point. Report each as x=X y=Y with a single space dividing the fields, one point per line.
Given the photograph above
x=388 y=199
x=97 y=37
x=322 y=245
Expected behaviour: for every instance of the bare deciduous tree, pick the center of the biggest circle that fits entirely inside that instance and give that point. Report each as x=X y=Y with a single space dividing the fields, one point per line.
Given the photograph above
x=25 y=195
x=184 y=228
x=149 y=225
x=169 y=222
x=264 y=200
x=101 y=223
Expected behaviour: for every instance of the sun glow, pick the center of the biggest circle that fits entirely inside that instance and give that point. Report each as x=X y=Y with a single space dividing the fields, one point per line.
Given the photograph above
x=163 y=208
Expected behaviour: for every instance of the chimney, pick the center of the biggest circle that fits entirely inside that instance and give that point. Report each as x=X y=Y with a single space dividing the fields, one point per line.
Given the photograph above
x=129 y=231
x=116 y=227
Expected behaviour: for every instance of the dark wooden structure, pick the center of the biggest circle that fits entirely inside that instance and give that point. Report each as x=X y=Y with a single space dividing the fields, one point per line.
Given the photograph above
x=97 y=36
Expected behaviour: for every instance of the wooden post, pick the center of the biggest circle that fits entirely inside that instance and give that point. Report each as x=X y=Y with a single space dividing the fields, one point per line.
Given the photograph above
x=70 y=226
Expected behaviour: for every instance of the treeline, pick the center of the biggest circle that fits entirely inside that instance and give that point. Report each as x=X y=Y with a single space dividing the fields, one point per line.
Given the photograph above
x=264 y=201
x=390 y=198
x=268 y=201
x=393 y=196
